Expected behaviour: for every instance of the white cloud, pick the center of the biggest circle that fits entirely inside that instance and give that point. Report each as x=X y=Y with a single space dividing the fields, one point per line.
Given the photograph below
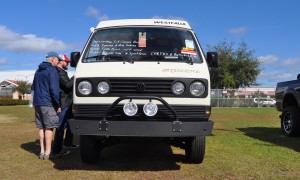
x=25 y=75
x=93 y=12
x=21 y=43
x=273 y=77
x=3 y=61
x=169 y=17
x=277 y=70
x=268 y=59
x=291 y=62
x=157 y=17
x=238 y=31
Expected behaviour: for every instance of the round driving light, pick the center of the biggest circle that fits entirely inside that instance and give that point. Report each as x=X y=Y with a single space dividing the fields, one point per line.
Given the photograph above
x=85 y=88
x=150 y=109
x=103 y=87
x=178 y=88
x=197 y=88
x=130 y=109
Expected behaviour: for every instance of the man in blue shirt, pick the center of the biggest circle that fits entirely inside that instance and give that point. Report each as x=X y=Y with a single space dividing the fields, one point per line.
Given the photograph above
x=46 y=101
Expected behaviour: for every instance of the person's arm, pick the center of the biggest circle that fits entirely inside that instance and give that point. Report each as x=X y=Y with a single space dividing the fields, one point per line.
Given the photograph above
x=66 y=83
x=54 y=87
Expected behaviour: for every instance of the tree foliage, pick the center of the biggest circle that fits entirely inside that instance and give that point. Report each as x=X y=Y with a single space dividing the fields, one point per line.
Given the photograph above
x=237 y=67
x=23 y=87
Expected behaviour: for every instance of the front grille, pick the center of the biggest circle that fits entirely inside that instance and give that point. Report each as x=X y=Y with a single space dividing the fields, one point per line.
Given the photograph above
x=147 y=87
x=141 y=86
x=184 y=113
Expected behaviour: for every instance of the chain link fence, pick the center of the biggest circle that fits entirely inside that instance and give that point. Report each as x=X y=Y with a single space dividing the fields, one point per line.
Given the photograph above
x=243 y=97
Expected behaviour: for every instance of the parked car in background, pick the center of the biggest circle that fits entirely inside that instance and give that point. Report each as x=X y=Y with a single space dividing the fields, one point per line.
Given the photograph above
x=264 y=101
x=288 y=102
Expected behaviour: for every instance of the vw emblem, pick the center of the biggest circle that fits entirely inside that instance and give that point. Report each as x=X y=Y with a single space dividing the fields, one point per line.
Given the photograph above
x=140 y=87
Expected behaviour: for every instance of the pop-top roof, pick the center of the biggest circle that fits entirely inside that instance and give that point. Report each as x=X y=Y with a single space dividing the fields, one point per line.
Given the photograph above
x=144 y=22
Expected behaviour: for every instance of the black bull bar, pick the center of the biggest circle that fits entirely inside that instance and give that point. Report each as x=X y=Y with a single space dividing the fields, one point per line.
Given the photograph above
x=141 y=128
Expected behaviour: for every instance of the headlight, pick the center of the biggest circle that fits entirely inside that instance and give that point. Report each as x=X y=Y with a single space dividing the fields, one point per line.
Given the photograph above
x=178 y=88
x=130 y=109
x=197 y=88
x=103 y=87
x=85 y=88
x=150 y=109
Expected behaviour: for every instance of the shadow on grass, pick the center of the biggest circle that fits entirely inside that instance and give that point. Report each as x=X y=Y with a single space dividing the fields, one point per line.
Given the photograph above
x=120 y=157
x=272 y=135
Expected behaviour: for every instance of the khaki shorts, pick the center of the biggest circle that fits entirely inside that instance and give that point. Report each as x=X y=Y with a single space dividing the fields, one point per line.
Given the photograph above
x=46 y=117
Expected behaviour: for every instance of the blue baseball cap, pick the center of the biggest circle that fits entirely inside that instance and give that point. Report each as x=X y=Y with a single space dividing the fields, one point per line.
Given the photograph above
x=53 y=54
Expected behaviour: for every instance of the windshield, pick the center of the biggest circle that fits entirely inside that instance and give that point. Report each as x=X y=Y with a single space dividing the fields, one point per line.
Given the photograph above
x=142 y=44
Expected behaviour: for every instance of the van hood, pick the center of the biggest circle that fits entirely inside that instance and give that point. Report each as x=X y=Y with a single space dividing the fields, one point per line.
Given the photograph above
x=142 y=69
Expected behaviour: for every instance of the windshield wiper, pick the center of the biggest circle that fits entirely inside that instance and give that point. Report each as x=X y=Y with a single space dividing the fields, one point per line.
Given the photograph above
x=123 y=58
x=109 y=57
x=91 y=57
x=153 y=57
x=187 y=59
x=126 y=59
x=115 y=57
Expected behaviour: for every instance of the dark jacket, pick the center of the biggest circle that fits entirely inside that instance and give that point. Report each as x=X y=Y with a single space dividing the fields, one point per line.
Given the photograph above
x=66 y=88
x=46 y=86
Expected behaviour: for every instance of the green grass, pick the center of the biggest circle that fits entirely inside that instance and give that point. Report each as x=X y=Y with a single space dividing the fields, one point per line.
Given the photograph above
x=246 y=144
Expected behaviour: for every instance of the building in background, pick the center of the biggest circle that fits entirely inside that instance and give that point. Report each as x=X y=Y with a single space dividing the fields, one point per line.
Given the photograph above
x=6 y=90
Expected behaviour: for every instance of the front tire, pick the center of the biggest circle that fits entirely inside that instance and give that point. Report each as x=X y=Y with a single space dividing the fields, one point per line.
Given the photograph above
x=89 y=149
x=195 y=149
x=290 y=121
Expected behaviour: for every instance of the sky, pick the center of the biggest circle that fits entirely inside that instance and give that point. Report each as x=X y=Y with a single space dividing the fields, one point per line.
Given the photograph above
x=31 y=28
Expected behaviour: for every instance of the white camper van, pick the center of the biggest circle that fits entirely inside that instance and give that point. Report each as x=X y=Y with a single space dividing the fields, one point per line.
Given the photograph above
x=142 y=78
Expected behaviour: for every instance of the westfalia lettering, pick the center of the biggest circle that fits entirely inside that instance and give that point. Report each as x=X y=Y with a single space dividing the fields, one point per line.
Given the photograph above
x=170 y=23
x=181 y=70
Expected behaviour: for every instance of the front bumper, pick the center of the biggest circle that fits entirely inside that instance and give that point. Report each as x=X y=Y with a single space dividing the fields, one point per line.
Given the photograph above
x=141 y=128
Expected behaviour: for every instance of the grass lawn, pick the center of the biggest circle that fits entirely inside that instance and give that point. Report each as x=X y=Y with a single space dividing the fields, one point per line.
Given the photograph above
x=246 y=144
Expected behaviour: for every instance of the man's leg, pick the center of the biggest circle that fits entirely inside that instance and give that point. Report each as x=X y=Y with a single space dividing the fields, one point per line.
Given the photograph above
x=69 y=136
x=40 y=126
x=48 y=137
x=42 y=139
x=50 y=121
x=59 y=133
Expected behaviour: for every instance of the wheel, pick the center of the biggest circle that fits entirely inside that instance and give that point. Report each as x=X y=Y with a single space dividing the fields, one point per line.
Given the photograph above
x=290 y=121
x=195 y=149
x=89 y=149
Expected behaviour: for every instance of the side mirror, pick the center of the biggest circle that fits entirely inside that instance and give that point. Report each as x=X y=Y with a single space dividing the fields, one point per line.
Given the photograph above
x=74 y=58
x=298 y=77
x=212 y=59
